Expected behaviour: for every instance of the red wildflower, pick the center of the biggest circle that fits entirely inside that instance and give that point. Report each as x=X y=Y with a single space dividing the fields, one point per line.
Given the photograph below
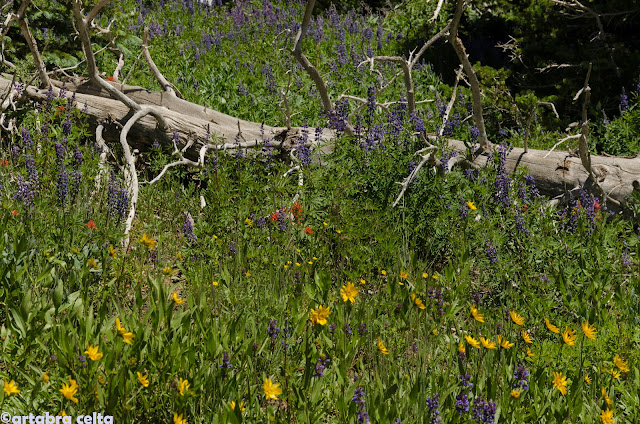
x=92 y=225
x=296 y=210
x=525 y=208
x=596 y=205
x=4 y=162
x=14 y=212
x=308 y=230
x=275 y=216
x=111 y=78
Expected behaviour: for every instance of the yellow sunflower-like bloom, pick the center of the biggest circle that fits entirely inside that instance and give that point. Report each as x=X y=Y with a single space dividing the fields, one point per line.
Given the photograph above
x=271 y=390
x=473 y=342
x=516 y=318
x=179 y=419
x=487 y=343
x=551 y=327
x=589 y=330
x=176 y=299
x=622 y=365
x=569 y=336
x=10 y=388
x=92 y=353
x=349 y=292
x=476 y=314
x=382 y=347
x=607 y=417
x=506 y=344
x=526 y=337
x=560 y=382
x=143 y=379
x=183 y=386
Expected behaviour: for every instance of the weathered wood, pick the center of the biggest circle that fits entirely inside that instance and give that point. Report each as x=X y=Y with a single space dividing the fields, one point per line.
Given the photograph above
x=189 y=120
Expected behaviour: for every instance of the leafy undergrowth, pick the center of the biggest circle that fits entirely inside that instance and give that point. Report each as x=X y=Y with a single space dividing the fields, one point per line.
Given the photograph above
x=472 y=301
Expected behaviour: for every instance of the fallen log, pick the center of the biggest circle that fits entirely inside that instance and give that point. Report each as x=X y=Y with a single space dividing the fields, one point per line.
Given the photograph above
x=194 y=124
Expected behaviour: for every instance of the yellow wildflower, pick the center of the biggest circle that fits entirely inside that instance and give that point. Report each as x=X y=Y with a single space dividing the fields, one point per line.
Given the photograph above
x=560 y=382
x=176 y=299
x=569 y=336
x=241 y=407
x=471 y=206
x=10 y=388
x=461 y=348
x=615 y=374
x=606 y=397
x=404 y=275
x=363 y=281
x=589 y=330
x=506 y=344
x=92 y=263
x=143 y=379
x=248 y=222
x=69 y=391
x=92 y=352
x=112 y=251
x=183 y=386
x=488 y=344
x=587 y=379
x=526 y=337
x=179 y=419
x=167 y=270
x=607 y=417
x=551 y=327
x=148 y=241
x=45 y=377
x=271 y=390
x=516 y=318
x=473 y=342
x=515 y=394
x=425 y=275
x=319 y=315
x=383 y=272
x=476 y=314
x=215 y=284
x=349 y=292
x=530 y=354
x=382 y=347
x=622 y=365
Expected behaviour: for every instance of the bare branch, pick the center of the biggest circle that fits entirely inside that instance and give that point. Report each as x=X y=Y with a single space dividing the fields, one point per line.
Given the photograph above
x=569 y=137
x=167 y=87
x=33 y=46
x=407 y=181
x=468 y=68
x=532 y=117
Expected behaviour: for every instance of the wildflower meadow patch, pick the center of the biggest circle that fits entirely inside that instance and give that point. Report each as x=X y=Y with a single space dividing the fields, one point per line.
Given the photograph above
x=242 y=294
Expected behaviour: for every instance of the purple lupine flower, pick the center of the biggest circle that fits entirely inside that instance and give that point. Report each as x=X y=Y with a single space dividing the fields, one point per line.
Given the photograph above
x=463 y=210
x=624 y=101
x=332 y=328
x=347 y=329
x=303 y=152
x=273 y=329
x=26 y=139
x=462 y=403
x=59 y=148
x=418 y=123
x=76 y=181
x=451 y=125
x=323 y=361
x=187 y=227
x=62 y=186
x=476 y=298
x=362 y=330
x=83 y=361
x=32 y=172
x=25 y=192
x=233 y=248
x=521 y=375
x=465 y=382
x=226 y=365
x=271 y=83
x=117 y=198
x=77 y=157
x=358 y=399
x=490 y=251
x=520 y=224
x=484 y=412
x=433 y=403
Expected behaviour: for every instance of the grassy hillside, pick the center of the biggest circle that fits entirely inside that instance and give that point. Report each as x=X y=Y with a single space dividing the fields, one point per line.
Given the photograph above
x=472 y=301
